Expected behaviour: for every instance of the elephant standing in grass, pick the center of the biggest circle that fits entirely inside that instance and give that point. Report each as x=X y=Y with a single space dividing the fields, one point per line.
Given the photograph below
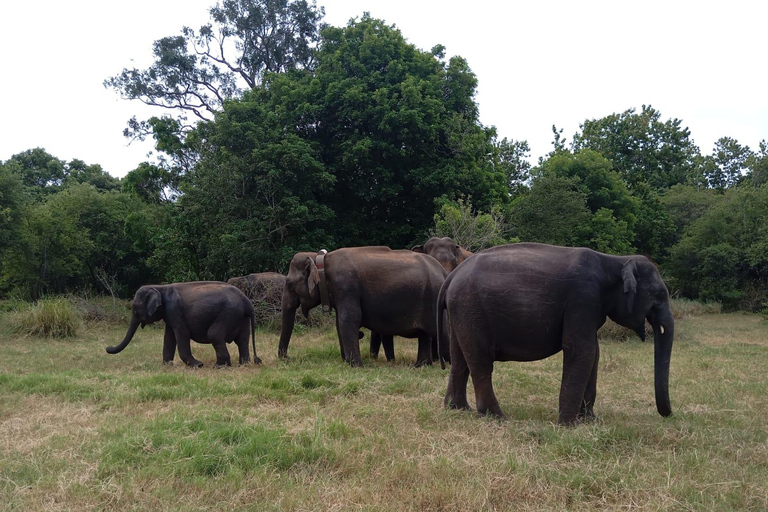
x=525 y=302
x=389 y=292
x=203 y=311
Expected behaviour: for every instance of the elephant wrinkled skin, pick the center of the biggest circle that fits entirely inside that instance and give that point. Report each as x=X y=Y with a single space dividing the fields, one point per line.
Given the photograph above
x=204 y=311
x=525 y=302
x=393 y=293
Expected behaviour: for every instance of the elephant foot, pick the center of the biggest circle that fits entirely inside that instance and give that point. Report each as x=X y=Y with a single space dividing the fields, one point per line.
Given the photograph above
x=257 y=360
x=168 y=363
x=421 y=364
x=450 y=404
x=221 y=365
x=194 y=363
x=356 y=363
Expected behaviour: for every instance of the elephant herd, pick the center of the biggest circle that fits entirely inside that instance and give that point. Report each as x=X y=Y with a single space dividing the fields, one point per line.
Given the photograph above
x=516 y=302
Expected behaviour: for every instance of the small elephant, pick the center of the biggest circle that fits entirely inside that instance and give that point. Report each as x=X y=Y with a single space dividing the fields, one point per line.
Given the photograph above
x=525 y=302
x=445 y=250
x=204 y=311
x=389 y=292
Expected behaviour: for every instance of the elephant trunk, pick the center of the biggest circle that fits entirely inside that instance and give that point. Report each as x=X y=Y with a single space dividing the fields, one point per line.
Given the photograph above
x=288 y=308
x=128 y=336
x=663 y=335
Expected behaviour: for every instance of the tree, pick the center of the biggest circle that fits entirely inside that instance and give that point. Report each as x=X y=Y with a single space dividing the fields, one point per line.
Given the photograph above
x=613 y=210
x=39 y=170
x=195 y=72
x=554 y=211
x=511 y=158
x=758 y=165
x=723 y=255
x=730 y=161
x=398 y=129
x=642 y=147
x=473 y=231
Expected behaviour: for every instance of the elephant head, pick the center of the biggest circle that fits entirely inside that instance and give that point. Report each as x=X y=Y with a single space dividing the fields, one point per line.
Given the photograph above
x=301 y=289
x=147 y=309
x=644 y=296
x=444 y=250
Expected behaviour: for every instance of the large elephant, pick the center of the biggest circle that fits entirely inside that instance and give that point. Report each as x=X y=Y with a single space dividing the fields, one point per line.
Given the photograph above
x=265 y=289
x=444 y=250
x=390 y=292
x=525 y=302
x=204 y=311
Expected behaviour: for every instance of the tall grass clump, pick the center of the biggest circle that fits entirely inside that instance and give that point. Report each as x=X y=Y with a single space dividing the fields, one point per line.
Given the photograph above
x=683 y=308
x=49 y=317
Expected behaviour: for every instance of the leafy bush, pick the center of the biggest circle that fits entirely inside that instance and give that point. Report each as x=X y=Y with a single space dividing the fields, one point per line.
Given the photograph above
x=49 y=317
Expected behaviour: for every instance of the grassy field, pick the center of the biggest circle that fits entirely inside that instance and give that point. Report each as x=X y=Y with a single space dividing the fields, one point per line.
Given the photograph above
x=83 y=430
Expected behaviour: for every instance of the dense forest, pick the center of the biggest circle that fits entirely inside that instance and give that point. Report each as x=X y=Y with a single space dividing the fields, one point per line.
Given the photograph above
x=282 y=134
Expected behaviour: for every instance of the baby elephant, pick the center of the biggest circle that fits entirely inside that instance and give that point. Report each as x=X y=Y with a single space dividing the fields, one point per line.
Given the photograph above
x=204 y=311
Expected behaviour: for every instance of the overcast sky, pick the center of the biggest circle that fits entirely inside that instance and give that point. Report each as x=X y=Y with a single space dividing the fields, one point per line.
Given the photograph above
x=539 y=63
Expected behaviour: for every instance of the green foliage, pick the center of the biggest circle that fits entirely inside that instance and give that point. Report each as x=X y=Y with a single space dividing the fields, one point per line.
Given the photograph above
x=642 y=147
x=577 y=200
x=723 y=255
x=195 y=72
x=729 y=163
x=554 y=211
x=50 y=317
x=473 y=231
x=73 y=239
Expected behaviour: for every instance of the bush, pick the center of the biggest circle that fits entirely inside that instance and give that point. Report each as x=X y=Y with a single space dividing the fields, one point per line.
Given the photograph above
x=102 y=309
x=48 y=317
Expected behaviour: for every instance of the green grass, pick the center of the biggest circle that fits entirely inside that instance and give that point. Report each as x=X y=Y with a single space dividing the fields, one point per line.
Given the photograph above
x=84 y=430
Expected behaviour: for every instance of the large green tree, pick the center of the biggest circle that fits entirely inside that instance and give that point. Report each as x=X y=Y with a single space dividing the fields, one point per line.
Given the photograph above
x=642 y=147
x=398 y=128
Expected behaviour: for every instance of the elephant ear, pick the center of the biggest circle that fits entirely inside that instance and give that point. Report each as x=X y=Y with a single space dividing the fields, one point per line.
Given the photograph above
x=418 y=248
x=154 y=301
x=628 y=275
x=313 y=277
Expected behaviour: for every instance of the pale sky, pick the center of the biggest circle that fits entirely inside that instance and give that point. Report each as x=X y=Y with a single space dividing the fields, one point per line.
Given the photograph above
x=538 y=63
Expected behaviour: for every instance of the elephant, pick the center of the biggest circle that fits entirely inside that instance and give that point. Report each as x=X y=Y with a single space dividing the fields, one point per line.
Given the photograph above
x=527 y=301
x=263 y=288
x=389 y=292
x=444 y=250
x=204 y=311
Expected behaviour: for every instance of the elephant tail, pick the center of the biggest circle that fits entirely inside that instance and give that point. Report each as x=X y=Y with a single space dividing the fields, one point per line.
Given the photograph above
x=441 y=307
x=252 y=314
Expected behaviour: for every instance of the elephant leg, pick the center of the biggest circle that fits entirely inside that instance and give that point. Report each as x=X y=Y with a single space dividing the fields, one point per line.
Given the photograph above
x=456 y=393
x=375 y=344
x=579 y=358
x=182 y=343
x=341 y=343
x=484 y=395
x=586 y=412
x=242 y=339
x=424 y=355
x=217 y=335
x=348 y=322
x=169 y=345
x=222 y=355
x=388 y=342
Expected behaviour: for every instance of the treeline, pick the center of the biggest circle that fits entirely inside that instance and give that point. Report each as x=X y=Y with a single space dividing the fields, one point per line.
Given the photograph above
x=360 y=138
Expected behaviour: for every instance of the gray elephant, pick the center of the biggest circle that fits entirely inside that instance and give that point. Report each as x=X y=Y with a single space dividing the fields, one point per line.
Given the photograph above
x=265 y=289
x=204 y=311
x=525 y=302
x=390 y=292
x=445 y=250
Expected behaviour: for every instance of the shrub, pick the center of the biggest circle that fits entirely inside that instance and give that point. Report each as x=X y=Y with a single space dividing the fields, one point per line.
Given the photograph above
x=48 y=317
